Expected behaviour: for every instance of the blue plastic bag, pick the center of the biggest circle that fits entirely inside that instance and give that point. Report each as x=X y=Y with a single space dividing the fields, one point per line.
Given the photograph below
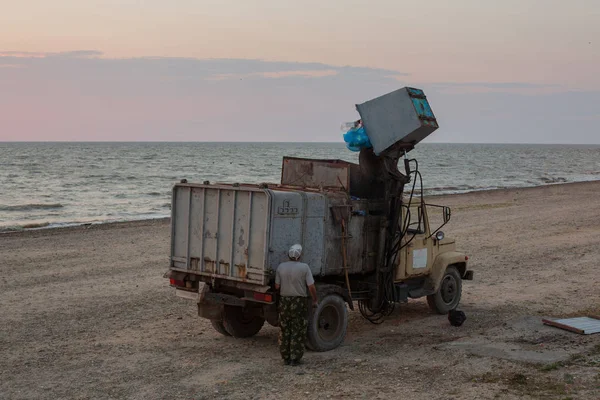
x=357 y=139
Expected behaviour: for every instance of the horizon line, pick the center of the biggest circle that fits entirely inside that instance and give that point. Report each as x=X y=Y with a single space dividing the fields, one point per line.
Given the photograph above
x=267 y=142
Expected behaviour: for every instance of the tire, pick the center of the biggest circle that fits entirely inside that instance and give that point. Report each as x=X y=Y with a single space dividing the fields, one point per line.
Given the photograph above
x=240 y=325
x=218 y=325
x=327 y=324
x=448 y=295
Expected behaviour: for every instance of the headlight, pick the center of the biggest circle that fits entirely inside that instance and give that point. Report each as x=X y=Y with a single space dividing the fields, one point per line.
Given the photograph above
x=439 y=235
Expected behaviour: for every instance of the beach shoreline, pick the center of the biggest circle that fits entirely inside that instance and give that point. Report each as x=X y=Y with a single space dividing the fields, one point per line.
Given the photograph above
x=142 y=221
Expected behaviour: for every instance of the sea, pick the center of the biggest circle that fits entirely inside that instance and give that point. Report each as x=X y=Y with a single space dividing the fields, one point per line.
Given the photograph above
x=45 y=185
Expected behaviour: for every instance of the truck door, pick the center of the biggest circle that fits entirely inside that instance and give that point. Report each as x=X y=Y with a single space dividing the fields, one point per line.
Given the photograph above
x=418 y=256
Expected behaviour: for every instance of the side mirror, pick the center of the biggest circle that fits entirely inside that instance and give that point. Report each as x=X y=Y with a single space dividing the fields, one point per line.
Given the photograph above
x=447 y=214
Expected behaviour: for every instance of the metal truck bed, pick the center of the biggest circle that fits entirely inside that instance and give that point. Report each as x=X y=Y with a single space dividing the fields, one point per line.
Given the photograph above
x=220 y=231
x=242 y=233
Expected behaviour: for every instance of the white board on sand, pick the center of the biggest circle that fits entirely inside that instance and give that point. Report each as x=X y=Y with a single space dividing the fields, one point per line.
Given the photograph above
x=581 y=325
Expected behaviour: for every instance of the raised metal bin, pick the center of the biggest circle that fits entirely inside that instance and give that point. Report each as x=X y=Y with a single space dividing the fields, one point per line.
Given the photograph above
x=399 y=119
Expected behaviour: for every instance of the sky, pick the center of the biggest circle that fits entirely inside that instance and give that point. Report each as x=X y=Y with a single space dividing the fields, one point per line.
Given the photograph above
x=522 y=71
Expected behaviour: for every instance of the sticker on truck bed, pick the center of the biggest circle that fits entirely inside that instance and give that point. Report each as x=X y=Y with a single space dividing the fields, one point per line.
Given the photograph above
x=287 y=209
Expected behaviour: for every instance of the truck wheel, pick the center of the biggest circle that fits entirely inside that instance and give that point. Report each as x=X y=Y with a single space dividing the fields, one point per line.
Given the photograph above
x=327 y=324
x=218 y=325
x=448 y=295
x=240 y=325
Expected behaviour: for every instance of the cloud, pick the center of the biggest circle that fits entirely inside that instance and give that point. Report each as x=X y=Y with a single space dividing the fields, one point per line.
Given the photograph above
x=82 y=95
x=76 y=54
x=493 y=85
x=276 y=75
x=484 y=87
x=21 y=54
x=71 y=54
x=86 y=62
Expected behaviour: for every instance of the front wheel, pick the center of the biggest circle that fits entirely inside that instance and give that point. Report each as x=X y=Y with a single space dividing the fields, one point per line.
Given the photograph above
x=448 y=295
x=239 y=324
x=327 y=324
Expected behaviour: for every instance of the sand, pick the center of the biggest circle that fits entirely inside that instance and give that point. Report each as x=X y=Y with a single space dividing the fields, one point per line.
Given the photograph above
x=85 y=313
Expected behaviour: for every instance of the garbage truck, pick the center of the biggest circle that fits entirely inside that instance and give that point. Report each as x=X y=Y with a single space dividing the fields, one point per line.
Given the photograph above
x=367 y=234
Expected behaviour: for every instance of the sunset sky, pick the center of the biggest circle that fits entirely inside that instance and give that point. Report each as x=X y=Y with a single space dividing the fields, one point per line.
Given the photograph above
x=264 y=70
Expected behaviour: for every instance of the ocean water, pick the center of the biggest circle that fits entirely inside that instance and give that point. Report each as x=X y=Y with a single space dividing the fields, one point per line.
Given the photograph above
x=54 y=184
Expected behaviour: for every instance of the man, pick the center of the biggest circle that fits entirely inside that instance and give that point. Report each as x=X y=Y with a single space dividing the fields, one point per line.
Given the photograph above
x=291 y=279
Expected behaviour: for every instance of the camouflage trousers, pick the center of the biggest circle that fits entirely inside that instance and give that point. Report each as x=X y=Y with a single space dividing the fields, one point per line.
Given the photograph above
x=293 y=323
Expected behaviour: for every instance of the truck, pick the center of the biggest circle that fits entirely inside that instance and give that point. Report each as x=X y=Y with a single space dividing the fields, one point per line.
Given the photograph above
x=369 y=236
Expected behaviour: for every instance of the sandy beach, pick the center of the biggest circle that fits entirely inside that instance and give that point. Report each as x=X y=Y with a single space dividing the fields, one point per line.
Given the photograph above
x=85 y=313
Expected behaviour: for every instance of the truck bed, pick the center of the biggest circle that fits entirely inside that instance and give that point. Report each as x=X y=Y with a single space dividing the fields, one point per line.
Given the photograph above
x=243 y=232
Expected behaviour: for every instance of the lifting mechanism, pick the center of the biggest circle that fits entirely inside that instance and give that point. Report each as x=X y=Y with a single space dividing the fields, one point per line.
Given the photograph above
x=394 y=181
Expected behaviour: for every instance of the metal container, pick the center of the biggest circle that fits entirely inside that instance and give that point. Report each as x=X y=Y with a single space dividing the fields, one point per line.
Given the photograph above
x=242 y=233
x=318 y=174
x=332 y=175
x=399 y=119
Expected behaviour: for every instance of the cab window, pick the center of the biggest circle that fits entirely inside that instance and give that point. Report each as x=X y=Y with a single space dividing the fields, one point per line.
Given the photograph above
x=416 y=220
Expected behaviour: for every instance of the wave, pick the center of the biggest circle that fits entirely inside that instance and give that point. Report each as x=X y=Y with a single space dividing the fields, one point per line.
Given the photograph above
x=171 y=178
x=51 y=225
x=31 y=207
x=553 y=179
x=36 y=225
x=14 y=228
x=451 y=188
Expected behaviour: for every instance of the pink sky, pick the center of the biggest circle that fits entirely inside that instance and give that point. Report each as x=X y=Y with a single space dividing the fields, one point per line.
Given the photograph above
x=494 y=50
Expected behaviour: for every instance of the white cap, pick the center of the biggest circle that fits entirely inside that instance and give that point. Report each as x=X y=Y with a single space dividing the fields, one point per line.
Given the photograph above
x=295 y=252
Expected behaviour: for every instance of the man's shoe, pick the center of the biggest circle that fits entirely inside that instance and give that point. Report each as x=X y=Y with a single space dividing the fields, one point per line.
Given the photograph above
x=286 y=362
x=294 y=363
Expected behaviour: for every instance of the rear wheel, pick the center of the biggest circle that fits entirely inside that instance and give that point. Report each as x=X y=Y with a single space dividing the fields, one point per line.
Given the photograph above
x=327 y=324
x=449 y=293
x=239 y=324
x=218 y=325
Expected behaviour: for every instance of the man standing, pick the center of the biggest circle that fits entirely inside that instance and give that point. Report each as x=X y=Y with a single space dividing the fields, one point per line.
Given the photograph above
x=291 y=279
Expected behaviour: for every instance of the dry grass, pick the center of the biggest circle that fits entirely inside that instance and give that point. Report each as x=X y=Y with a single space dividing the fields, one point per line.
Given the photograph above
x=526 y=384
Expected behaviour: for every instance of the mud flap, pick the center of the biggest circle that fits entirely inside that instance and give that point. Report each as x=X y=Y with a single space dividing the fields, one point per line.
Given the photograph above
x=208 y=309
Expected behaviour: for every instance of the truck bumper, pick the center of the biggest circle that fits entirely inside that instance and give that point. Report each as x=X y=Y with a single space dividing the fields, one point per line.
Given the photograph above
x=198 y=296
x=186 y=294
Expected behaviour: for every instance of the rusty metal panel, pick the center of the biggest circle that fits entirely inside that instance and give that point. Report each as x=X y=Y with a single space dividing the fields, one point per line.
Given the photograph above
x=319 y=174
x=331 y=175
x=180 y=226
x=298 y=218
x=362 y=238
x=221 y=231
x=287 y=210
